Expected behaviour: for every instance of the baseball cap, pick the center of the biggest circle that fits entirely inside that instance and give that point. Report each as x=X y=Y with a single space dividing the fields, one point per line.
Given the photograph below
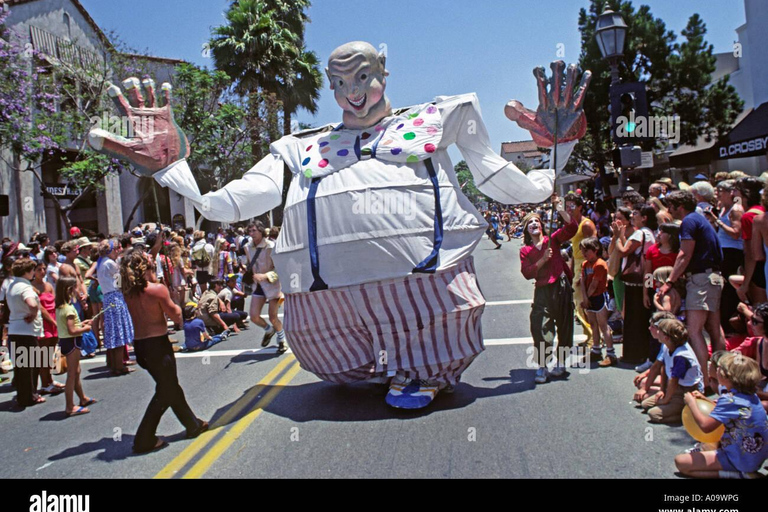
x=74 y=231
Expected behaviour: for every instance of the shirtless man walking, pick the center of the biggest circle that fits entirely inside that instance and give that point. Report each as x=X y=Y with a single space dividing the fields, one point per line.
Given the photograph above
x=150 y=301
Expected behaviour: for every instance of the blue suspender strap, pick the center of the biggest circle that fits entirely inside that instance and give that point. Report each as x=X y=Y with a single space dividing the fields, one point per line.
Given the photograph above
x=318 y=283
x=429 y=265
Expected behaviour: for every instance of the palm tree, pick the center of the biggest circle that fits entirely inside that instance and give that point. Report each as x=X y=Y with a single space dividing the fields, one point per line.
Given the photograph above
x=304 y=91
x=256 y=48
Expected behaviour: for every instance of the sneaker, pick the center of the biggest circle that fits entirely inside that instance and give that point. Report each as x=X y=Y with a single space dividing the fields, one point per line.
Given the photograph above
x=696 y=448
x=407 y=393
x=610 y=360
x=268 y=337
x=542 y=376
x=557 y=371
x=641 y=368
x=282 y=348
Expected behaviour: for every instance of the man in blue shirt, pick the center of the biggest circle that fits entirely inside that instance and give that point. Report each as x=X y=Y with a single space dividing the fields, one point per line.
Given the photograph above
x=699 y=262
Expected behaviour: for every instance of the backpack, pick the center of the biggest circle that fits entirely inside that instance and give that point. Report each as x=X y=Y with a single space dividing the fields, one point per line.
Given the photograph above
x=245 y=241
x=200 y=257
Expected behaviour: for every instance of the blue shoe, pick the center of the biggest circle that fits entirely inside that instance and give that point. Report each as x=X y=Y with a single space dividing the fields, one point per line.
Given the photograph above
x=411 y=393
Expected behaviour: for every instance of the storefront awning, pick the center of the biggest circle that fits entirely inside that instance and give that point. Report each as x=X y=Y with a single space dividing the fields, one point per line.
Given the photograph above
x=748 y=138
x=703 y=152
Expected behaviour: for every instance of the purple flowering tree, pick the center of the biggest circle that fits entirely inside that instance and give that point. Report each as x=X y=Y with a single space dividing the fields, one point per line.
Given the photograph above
x=47 y=107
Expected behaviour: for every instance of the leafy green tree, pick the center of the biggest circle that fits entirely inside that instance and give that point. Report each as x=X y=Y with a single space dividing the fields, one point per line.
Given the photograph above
x=678 y=77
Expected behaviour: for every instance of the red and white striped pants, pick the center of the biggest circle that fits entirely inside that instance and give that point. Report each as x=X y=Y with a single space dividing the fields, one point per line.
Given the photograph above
x=424 y=326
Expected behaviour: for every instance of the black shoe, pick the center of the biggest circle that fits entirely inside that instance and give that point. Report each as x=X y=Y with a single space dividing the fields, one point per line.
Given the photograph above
x=202 y=428
x=159 y=446
x=595 y=357
x=282 y=348
x=268 y=337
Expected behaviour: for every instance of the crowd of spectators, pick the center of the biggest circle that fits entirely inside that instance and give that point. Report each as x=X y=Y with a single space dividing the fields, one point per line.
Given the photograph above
x=66 y=297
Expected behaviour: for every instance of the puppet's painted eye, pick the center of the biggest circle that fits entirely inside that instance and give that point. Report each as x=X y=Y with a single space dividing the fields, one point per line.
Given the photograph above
x=363 y=76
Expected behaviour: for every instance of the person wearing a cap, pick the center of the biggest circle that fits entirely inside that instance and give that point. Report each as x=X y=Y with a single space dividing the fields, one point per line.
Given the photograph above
x=238 y=297
x=553 y=309
x=74 y=232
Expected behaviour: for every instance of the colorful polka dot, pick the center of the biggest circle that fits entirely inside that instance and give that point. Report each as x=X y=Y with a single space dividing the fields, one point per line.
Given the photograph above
x=343 y=152
x=409 y=136
x=365 y=136
x=396 y=151
x=345 y=142
x=325 y=150
x=323 y=144
x=418 y=122
x=429 y=148
x=412 y=159
x=323 y=163
x=413 y=115
x=432 y=130
x=365 y=151
x=400 y=126
x=431 y=109
x=306 y=161
x=308 y=173
x=387 y=142
x=379 y=128
x=335 y=136
x=308 y=148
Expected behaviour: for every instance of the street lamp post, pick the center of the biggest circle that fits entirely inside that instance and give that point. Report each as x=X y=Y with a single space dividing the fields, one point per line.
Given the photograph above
x=610 y=33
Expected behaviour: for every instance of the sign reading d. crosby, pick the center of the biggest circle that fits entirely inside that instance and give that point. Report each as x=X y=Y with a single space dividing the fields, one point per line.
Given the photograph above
x=757 y=146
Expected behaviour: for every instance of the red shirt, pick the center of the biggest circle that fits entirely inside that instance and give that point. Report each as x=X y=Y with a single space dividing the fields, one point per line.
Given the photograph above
x=658 y=258
x=597 y=271
x=747 y=219
x=553 y=269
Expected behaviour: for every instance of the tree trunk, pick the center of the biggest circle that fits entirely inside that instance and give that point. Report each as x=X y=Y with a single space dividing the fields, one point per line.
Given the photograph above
x=127 y=224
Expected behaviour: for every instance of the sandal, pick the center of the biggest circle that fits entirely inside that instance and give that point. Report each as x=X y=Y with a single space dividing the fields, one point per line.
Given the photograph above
x=78 y=412
x=159 y=446
x=90 y=401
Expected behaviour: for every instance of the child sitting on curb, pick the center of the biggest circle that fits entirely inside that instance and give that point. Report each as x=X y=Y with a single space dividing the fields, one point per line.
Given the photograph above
x=682 y=373
x=196 y=337
x=742 y=448
x=648 y=382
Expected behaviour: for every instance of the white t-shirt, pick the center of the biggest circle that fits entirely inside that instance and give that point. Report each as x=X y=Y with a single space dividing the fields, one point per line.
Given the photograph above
x=107 y=274
x=638 y=237
x=18 y=292
x=52 y=270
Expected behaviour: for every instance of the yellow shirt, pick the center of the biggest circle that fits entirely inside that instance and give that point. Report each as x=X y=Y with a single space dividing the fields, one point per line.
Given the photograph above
x=62 y=313
x=578 y=258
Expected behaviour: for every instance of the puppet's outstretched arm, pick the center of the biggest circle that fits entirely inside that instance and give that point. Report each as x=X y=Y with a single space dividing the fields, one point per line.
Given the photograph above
x=159 y=147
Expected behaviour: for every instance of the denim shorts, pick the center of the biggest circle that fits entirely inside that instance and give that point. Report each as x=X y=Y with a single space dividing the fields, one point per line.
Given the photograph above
x=67 y=345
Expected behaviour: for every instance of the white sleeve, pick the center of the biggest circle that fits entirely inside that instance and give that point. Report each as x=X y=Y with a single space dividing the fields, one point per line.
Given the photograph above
x=258 y=191
x=495 y=177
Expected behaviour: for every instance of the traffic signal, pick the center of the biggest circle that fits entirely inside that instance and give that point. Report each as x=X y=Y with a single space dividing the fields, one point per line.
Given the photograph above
x=627 y=157
x=629 y=107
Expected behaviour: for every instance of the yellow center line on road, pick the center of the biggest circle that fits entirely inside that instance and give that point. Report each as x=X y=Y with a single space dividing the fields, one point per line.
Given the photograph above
x=202 y=466
x=206 y=438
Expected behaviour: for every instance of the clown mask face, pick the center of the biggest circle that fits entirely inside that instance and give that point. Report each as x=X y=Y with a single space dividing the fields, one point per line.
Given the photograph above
x=358 y=79
x=534 y=227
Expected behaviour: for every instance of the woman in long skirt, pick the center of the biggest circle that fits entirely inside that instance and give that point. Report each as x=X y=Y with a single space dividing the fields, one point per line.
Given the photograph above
x=118 y=326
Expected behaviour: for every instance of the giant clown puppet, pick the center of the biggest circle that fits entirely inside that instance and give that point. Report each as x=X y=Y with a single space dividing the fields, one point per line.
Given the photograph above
x=375 y=254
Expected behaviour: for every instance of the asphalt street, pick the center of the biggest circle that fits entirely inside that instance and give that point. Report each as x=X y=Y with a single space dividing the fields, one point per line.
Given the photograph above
x=271 y=419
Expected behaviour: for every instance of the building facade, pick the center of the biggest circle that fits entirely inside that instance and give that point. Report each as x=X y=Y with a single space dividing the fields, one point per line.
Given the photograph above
x=62 y=30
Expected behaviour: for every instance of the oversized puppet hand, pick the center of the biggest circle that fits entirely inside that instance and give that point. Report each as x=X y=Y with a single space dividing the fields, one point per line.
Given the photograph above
x=559 y=103
x=154 y=140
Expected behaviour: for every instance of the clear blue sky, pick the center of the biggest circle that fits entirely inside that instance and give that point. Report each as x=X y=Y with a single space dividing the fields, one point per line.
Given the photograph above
x=434 y=48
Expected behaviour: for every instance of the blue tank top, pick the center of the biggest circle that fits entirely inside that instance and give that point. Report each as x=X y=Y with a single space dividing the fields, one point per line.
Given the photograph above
x=727 y=241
